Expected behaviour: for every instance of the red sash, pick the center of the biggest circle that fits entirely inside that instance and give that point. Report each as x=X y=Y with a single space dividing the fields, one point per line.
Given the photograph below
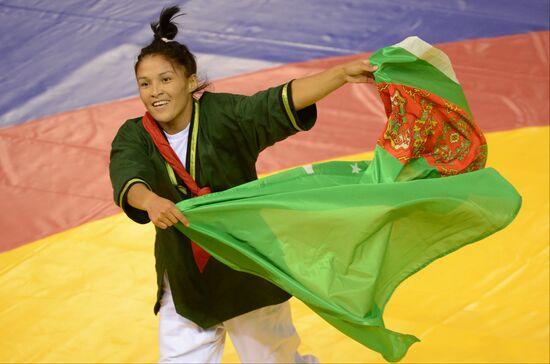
x=200 y=255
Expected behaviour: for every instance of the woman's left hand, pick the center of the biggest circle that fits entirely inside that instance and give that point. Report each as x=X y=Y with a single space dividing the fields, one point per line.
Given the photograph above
x=359 y=71
x=308 y=90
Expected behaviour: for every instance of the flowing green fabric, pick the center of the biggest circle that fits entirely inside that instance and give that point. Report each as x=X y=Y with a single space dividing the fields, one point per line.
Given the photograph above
x=341 y=236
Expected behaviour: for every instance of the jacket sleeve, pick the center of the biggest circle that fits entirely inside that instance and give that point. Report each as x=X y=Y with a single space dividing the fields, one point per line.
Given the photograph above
x=129 y=164
x=269 y=116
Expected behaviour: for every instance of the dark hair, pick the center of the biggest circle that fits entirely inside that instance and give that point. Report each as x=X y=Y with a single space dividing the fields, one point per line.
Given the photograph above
x=163 y=44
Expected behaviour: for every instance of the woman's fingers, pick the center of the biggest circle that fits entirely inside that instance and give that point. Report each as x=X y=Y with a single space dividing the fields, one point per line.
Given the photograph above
x=160 y=224
x=175 y=215
x=169 y=218
x=368 y=67
x=360 y=71
x=164 y=213
x=179 y=215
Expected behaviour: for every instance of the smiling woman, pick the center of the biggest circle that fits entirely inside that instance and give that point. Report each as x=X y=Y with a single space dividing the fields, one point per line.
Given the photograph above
x=217 y=138
x=166 y=91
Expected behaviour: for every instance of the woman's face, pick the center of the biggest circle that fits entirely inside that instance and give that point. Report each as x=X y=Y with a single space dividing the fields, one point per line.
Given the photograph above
x=166 y=92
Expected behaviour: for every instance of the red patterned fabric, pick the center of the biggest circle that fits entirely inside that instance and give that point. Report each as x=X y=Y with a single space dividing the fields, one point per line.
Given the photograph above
x=422 y=124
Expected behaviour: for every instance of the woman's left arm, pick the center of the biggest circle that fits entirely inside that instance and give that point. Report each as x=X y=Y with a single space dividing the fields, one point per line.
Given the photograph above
x=308 y=90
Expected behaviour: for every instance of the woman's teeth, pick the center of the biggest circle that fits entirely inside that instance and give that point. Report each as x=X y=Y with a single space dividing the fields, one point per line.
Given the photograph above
x=160 y=103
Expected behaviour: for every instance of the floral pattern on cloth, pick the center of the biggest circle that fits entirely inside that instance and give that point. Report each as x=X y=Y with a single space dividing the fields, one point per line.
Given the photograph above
x=422 y=124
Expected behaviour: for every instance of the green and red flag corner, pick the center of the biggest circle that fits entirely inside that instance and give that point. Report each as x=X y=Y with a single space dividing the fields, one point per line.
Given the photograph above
x=428 y=116
x=341 y=236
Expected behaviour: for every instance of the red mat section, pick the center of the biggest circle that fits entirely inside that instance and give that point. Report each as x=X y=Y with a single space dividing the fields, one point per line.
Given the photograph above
x=54 y=170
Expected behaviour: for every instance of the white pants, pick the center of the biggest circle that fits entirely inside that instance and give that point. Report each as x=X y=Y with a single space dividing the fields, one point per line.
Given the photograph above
x=265 y=335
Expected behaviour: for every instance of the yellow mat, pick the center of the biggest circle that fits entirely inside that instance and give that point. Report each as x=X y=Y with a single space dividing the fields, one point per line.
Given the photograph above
x=86 y=295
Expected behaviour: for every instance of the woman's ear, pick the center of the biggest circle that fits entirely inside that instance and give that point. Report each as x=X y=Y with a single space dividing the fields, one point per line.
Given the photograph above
x=192 y=82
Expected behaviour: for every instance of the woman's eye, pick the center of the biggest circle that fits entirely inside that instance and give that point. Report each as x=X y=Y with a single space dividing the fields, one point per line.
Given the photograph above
x=143 y=84
x=166 y=79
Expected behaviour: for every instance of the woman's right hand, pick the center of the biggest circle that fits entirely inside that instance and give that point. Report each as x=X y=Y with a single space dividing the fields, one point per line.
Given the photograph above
x=163 y=212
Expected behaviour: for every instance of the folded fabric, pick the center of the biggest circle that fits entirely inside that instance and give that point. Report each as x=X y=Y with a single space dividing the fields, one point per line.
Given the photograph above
x=341 y=236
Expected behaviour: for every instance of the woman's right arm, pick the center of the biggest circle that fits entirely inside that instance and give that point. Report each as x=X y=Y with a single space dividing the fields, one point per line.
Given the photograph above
x=132 y=174
x=162 y=212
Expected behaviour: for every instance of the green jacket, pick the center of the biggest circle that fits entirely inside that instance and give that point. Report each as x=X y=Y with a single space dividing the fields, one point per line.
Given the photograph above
x=226 y=135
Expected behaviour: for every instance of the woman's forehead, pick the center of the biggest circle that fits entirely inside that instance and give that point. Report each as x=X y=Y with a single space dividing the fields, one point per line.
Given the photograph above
x=154 y=65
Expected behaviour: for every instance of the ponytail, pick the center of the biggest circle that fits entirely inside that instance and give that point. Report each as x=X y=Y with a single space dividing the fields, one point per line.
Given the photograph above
x=164 y=44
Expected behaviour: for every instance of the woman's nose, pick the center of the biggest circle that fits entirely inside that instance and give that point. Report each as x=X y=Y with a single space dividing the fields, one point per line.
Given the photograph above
x=156 y=90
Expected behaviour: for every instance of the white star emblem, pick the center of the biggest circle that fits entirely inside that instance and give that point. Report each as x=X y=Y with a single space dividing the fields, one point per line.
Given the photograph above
x=309 y=169
x=355 y=168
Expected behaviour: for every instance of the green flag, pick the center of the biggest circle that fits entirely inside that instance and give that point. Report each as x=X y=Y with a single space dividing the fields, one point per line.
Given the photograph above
x=341 y=236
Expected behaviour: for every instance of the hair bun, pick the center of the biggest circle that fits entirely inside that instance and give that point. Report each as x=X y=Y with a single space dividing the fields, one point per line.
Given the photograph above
x=165 y=27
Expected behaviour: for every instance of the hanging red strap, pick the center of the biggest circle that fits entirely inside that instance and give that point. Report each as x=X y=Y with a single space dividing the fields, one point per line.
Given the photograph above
x=200 y=255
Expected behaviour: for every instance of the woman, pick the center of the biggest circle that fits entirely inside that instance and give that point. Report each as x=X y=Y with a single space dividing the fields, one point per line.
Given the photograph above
x=182 y=143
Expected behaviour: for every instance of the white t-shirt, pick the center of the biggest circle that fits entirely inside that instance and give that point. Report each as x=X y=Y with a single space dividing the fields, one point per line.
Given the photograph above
x=178 y=142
